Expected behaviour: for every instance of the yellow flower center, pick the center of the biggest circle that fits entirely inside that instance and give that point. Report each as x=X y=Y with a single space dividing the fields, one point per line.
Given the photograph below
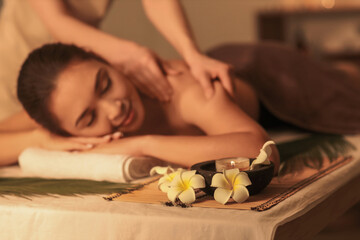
x=171 y=176
x=186 y=184
x=236 y=182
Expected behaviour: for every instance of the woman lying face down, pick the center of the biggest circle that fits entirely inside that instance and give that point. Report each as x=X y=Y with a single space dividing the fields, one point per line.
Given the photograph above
x=72 y=92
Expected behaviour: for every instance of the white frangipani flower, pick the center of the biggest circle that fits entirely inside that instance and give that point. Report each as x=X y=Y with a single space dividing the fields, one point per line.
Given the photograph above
x=169 y=174
x=231 y=183
x=164 y=183
x=263 y=157
x=161 y=170
x=183 y=185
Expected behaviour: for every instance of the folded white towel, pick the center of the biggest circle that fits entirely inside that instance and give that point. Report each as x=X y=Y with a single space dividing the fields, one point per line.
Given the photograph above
x=100 y=167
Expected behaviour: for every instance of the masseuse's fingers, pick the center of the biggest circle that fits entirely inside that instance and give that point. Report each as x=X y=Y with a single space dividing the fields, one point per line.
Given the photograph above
x=148 y=84
x=151 y=79
x=167 y=69
x=206 y=69
x=140 y=85
x=148 y=73
x=159 y=85
x=205 y=81
x=226 y=76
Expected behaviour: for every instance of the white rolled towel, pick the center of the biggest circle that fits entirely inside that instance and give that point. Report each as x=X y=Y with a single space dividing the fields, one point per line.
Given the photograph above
x=100 y=167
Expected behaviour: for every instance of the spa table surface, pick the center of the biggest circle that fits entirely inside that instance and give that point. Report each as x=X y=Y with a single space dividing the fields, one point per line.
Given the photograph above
x=91 y=217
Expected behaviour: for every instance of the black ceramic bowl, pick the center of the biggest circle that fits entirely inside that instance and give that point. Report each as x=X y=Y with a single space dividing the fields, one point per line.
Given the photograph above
x=259 y=178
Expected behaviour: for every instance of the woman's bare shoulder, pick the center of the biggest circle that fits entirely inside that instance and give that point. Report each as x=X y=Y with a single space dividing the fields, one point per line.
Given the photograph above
x=187 y=89
x=217 y=114
x=183 y=81
x=185 y=86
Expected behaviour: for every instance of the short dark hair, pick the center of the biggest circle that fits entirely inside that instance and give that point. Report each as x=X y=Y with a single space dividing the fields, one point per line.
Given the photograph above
x=37 y=80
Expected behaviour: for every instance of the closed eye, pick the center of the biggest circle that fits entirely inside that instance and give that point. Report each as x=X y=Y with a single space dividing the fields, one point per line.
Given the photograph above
x=106 y=84
x=92 y=117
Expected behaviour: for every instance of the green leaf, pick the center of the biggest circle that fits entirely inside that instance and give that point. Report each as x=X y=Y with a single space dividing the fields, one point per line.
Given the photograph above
x=310 y=151
x=28 y=187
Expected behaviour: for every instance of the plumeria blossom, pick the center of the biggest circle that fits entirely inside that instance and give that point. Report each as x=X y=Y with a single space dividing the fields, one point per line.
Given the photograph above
x=161 y=170
x=183 y=185
x=263 y=157
x=169 y=174
x=231 y=183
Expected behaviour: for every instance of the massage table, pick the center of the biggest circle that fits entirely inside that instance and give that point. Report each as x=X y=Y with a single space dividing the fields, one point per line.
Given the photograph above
x=301 y=216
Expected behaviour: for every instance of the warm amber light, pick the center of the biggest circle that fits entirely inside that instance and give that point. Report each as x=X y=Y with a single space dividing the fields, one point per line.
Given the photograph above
x=328 y=4
x=229 y=163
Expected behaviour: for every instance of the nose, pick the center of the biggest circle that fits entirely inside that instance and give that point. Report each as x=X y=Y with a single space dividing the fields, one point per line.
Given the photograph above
x=112 y=108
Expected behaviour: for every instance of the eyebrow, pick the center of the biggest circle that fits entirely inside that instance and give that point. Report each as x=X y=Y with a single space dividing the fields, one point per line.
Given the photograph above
x=97 y=82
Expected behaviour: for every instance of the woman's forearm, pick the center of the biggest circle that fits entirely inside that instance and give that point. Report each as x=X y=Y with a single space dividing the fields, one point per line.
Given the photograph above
x=16 y=133
x=13 y=143
x=188 y=150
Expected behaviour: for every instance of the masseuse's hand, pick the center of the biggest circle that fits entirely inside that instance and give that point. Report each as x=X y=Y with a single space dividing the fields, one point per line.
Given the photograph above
x=50 y=141
x=206 y=69
x=147 y=71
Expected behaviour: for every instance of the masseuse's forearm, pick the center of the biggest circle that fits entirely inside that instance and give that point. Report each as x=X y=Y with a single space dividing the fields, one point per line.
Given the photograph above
x=188 y=150
x=13 y=143
x=169 y=18
x=67 y=29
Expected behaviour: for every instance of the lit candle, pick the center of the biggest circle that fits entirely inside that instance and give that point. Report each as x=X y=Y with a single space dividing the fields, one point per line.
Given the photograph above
x=241 y=163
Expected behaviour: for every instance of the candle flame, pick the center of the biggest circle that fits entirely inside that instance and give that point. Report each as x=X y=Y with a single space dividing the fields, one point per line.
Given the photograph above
x=232 y=163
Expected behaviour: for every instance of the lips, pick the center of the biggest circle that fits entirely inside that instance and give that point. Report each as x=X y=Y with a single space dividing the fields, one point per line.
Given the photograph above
x=129 y=118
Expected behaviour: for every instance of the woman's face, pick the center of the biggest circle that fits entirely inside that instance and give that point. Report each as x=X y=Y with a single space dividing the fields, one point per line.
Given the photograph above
x=93 y=99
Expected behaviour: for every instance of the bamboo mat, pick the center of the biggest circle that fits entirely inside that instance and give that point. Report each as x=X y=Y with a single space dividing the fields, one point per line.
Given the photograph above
x=277 y=191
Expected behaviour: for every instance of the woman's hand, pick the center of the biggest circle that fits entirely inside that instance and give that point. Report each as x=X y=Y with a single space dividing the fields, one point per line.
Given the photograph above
x=129 y=146
x=50 y=141
x=147 y=71
x=206 y=69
